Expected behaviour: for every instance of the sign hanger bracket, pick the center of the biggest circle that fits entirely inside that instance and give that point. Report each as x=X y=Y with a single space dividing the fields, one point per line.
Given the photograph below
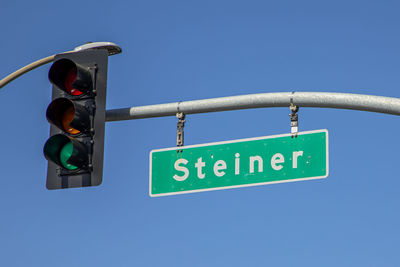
x=294 y=118
x=179 y=131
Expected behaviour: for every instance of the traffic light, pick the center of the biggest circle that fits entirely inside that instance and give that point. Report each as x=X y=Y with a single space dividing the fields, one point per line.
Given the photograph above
x=77 y=117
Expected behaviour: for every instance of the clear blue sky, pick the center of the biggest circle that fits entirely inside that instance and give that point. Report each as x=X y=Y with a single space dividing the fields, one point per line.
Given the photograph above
x=187 y=50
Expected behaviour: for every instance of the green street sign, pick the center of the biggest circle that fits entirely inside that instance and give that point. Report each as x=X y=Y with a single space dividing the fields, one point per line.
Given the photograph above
x=239 y=163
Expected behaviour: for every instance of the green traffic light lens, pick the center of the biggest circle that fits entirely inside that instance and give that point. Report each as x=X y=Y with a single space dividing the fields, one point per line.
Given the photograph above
x=65 y=154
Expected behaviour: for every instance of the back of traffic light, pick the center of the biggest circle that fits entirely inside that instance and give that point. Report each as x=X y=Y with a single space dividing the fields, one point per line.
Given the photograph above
x=77 y=117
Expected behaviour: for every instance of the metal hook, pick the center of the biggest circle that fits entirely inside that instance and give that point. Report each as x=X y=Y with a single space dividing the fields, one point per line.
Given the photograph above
x=294 y=118
x=179 y=130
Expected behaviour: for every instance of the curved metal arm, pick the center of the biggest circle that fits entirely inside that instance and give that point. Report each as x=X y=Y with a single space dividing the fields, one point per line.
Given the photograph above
x=371 y=103
x=25 y=69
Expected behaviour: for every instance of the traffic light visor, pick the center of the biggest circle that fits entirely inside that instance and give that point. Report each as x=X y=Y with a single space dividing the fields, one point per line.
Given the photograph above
x=69 y=116
x=66 y=152
x=70 y=77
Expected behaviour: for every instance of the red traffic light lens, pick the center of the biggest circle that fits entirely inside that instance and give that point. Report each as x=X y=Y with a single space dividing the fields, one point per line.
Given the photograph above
x=72 y=78
x=69 y=79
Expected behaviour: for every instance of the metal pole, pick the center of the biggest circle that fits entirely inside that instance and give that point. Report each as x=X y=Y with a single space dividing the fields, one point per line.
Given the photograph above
x=380 y=104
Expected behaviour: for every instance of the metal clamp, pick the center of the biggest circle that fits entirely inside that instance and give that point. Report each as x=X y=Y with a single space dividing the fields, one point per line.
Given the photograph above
x=294 y=119
x=179 y=130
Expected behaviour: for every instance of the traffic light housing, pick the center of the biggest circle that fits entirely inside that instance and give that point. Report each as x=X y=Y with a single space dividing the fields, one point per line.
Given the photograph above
x=77 y=117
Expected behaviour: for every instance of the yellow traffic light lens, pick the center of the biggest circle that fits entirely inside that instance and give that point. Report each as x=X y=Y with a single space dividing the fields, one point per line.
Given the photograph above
x=67 y=118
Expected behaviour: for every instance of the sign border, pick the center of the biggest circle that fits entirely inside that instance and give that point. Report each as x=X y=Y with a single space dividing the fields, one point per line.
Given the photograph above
x=237 y=141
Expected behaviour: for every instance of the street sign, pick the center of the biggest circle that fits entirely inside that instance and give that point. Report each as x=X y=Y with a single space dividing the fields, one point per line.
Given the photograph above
x=239 y=163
